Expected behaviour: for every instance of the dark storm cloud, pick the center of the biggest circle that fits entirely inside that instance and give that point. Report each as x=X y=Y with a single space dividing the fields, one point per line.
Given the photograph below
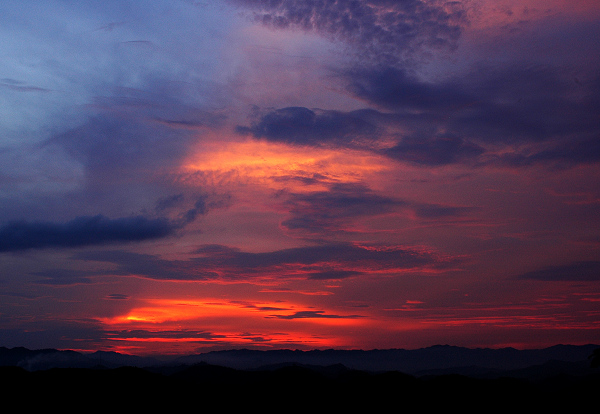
x=303 y=126
x=587 y=271
x=81 y=231
x=382 y=29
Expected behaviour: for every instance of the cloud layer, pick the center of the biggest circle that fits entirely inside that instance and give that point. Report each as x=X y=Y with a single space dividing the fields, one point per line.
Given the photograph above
x=382 y=29
x=183 y=174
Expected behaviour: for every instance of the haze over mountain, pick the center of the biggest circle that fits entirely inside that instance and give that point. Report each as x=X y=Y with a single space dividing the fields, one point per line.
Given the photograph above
x=441 y=359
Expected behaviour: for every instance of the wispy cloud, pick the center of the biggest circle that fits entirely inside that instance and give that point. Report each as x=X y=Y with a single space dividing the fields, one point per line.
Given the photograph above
x=586 y=271
x=321 y=262
x=316 y=315
x=378 y=29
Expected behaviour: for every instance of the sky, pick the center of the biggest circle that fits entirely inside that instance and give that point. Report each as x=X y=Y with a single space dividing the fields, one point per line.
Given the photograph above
x=184 y=176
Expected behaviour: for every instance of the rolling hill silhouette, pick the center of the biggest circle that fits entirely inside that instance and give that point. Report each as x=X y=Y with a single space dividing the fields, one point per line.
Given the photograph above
x=437 y=377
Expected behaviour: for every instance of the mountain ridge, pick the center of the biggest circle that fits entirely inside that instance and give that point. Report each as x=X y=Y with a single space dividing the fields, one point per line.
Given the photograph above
x=437 y=359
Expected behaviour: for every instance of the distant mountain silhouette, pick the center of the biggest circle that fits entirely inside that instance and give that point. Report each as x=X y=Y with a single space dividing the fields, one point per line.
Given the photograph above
x=439 y=357
x=42 y=359
x=435 y=360
x=445 y=377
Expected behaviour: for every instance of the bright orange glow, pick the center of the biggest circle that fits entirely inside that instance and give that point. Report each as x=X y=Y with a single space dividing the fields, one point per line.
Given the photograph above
x=168 y=310
x=210 y=322
x=275 y=164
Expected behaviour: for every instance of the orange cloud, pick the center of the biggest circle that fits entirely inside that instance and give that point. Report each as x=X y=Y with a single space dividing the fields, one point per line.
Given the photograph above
x=164 y=325
x=277 y=165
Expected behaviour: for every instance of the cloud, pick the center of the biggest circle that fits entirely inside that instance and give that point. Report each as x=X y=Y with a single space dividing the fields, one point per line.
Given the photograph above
x=394 y=88
x=169 y=202
x=577 y=151
x=514 y=116
x=534 y=113
x=323 y=212
x=147 y=265
x=215 y=262
x=344 y=254
x=20 y=86
x=184 y=333
x=365 y=130
x=199 y=208
x=117 y=296
x=121 y=140
x=585 y=271
x=250 y=305
x=62 y=277
x=434 y=151
x=82 y=51
x=381 y=29
x=82 y=231
x=334 y=275
x=111 y=101
x=315 y=315
x=332 y=210
x=303 y=126
x=486 y=104
x=527 y=103
x=437 y=211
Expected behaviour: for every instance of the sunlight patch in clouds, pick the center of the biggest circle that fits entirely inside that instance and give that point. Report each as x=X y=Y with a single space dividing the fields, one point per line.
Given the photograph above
x=278 y=166
x=172 y=323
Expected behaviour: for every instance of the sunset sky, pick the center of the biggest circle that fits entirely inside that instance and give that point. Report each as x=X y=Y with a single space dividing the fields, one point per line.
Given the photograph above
x=181 y=176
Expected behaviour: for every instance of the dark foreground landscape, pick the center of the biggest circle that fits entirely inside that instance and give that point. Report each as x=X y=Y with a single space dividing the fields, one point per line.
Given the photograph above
x=439 y=377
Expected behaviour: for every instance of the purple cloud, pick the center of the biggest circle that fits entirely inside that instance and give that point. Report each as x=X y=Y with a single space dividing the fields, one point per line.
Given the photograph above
x=584 y=271
x=377 y=29
x=81 y=231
